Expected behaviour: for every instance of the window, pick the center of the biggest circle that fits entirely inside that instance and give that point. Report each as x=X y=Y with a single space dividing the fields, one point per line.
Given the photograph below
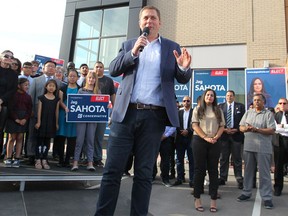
x=99 y=36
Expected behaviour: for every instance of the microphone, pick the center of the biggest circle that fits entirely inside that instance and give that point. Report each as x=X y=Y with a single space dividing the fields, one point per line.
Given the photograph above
x=145 y=33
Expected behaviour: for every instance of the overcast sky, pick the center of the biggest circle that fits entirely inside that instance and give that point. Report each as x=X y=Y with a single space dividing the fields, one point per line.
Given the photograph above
x=29 y=27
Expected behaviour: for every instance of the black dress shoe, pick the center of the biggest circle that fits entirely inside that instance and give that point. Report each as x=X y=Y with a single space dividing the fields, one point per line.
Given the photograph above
x=240 y=185
x=277 y=193
x=177 y=182
x=221 y=181
x=191 y=184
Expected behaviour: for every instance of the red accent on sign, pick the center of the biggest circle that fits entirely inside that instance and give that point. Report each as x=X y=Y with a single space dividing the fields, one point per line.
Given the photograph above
x=99 y=98
x=277 y=71
x=116 y=84
x=221 y=72
x=58 y=61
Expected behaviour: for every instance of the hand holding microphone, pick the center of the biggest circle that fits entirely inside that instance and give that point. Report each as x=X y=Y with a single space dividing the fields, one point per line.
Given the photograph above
x=145 y=33
x=141 y=42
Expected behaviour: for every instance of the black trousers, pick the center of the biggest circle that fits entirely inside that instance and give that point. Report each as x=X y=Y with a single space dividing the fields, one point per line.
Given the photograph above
x=281 y=157
x=206 y=155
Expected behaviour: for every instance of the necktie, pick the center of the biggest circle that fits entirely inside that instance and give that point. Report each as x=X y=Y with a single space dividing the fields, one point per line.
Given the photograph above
x=48 y=78
x=229 y=116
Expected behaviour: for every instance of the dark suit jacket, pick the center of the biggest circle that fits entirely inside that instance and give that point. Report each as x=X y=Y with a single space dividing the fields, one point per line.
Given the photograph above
x=126 y=65
x=189 y=128
x=278 y=117
x=36 y=89
x=238 y=112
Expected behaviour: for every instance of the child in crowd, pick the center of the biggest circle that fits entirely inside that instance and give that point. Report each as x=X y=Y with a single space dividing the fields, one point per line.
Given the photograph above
x=86 y=131
x=47 y=123
x=17 y=123
x=66 y=129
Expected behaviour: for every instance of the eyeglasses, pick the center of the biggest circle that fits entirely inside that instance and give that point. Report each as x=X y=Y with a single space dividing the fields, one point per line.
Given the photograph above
x=15 y=64
x=186 y=101
x=28 y=67
x=282 y=103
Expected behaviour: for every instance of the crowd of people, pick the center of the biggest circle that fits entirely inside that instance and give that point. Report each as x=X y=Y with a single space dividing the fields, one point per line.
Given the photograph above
x=33 y=111
x=145 y=122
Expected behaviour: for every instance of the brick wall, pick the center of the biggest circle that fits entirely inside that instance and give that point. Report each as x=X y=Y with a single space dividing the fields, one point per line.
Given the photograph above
x=258 y=23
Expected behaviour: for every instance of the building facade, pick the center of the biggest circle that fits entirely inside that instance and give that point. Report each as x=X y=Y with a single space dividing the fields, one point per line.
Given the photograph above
x=233 y=35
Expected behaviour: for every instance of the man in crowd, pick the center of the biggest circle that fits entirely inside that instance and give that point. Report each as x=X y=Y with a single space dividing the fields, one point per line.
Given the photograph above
x=231 y=139
x=183 y=143
x=281 y=152
x=27 y=72
x=8 y=87
x=35 y=90
x=35 y=67
x=106 y=86
x=144 y=105
x=258 y=126
x=83 y=73
x=165 y=149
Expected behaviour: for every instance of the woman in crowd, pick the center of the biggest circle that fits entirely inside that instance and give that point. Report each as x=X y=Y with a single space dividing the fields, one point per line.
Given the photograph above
x=67 y=130
x=16 y=66
x=208 y=125
x=257 y=87
x=86 y=131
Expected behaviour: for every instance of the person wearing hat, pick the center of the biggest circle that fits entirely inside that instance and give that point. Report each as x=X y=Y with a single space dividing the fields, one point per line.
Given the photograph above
x=84 y=69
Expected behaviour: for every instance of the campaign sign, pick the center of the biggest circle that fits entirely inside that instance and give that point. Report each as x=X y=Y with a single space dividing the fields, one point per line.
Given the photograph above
x=271 y=82
x=215 y=79
x=87 y=108
x=43 y=59
x=181 y=90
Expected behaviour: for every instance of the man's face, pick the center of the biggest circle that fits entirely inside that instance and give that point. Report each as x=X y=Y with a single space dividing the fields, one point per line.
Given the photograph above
x=27 y=70
x=49 y=69
x=230 y=97
x=99 y=69
x=6 y=60
x=35 y=67
x=282 y=104
x=258 y=102
x=149 y=18
x=84 y=71
x=186 y=102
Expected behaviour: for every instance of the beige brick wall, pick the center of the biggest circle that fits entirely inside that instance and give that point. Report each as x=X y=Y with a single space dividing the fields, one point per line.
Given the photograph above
x=258 y=23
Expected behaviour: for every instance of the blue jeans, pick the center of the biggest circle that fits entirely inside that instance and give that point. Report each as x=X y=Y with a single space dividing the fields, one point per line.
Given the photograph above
x=183 y=144
x=140 y=131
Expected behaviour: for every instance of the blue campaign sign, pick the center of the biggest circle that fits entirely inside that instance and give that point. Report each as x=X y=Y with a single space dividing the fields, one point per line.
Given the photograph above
x=87 y=108
x=182 y=90
x=43 y=59
x=214 y=79
x=271 y=82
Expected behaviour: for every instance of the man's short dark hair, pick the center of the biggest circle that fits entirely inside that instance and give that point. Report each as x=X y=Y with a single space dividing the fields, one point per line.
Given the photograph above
x=27 y=64
x=261 y=95
x=49 y=61
x=231 y=92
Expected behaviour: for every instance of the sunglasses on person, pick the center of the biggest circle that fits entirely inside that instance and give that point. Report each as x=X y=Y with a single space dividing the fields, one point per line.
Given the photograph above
x=186 y=101
x=15 y=64
x=282 y=103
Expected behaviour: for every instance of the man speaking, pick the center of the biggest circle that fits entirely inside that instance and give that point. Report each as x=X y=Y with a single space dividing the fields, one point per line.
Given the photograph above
x=145 y=103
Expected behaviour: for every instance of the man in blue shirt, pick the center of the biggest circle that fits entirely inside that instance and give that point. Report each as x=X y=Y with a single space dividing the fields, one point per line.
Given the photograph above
x=145 y=103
